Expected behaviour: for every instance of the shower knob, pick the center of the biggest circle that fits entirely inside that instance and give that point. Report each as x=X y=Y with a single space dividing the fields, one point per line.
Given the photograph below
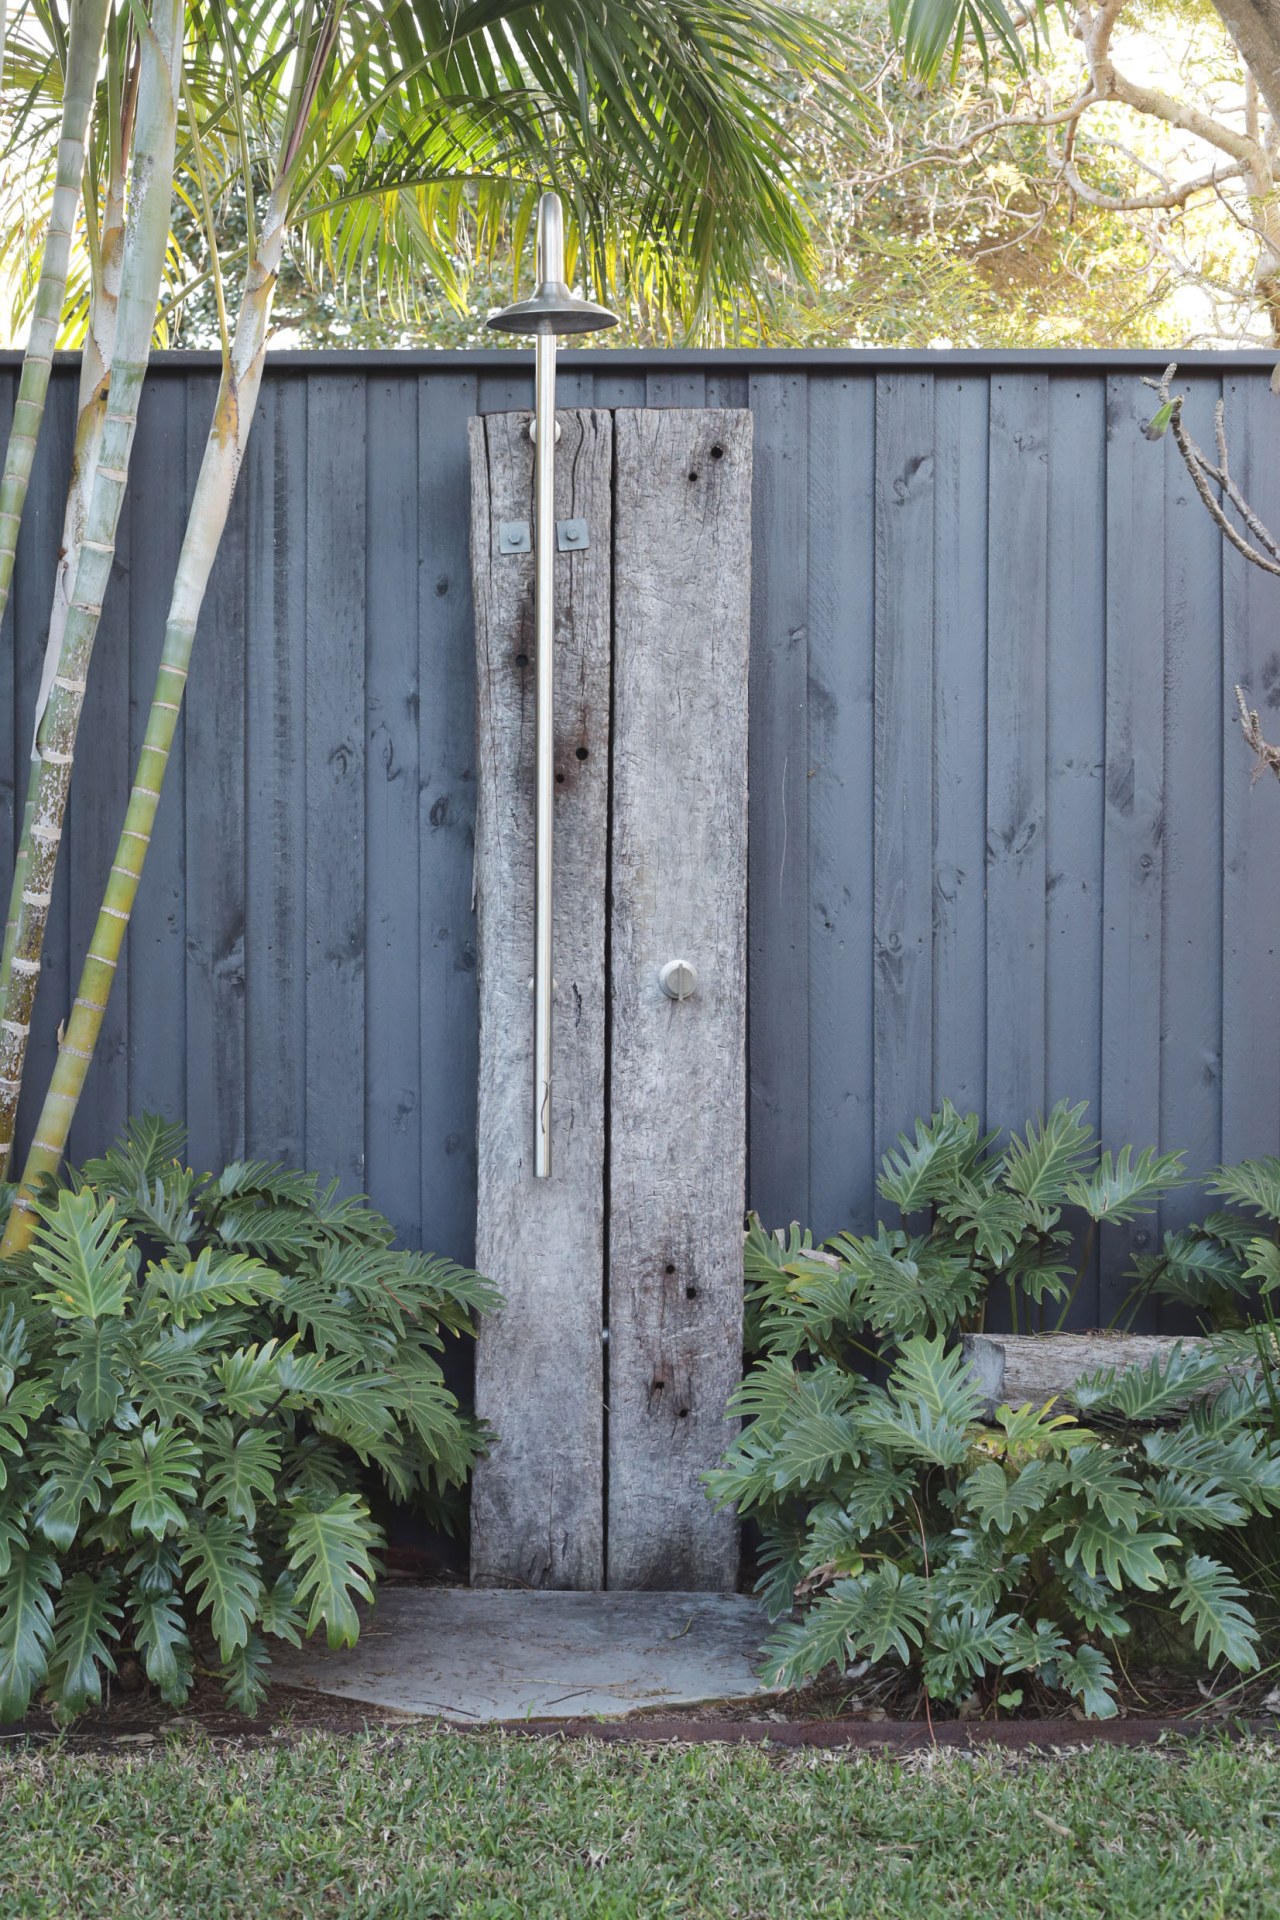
x=678 y=979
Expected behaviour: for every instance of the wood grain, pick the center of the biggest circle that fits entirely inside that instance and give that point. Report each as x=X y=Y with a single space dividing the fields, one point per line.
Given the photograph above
x=677 y=1129
x=538 y=1502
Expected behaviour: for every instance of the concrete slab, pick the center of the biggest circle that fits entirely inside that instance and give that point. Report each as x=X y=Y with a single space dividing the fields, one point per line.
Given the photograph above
x=476 y=1655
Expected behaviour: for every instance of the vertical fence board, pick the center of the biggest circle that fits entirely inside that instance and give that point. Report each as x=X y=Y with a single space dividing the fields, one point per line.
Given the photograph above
x=678 y=871
x=1133 y=853
x=336 y=583
x=1191 y=1017
x=960 y=538
x=1016 y=616
x=777 y=840
x=158 y=928
x=1251 y=866
x=393 y=780
x=214 y=750
x=1075 y=746
x=841 y=745
x=275 y=482
x=447 y=946
x=538 y=1500
x=903 y=772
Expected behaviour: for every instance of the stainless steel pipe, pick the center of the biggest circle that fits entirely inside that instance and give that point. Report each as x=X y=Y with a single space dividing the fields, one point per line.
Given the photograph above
x=553 y=309
x=544 y=724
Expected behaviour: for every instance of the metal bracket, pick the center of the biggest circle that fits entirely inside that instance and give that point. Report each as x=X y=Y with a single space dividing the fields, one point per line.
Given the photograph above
x=572 y=536
x=514 y=536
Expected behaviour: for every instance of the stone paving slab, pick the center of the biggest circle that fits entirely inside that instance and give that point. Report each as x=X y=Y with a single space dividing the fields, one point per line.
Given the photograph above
x=476 y=1655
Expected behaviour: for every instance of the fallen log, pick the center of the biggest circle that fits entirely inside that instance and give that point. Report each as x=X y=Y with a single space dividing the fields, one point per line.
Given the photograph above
x=1020 y=1369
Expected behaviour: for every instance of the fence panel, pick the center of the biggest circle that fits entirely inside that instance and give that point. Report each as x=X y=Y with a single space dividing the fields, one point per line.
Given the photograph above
x=1004 y=846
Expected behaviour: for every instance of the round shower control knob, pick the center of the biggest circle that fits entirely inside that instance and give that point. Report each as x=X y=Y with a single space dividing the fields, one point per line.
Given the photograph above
x=678 y=979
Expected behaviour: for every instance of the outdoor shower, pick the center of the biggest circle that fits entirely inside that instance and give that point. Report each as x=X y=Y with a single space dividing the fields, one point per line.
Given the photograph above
x=553 y=309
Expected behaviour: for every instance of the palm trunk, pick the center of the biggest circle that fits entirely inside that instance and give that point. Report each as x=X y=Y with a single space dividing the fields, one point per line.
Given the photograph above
x=95 y=377
x=84 y=52
x=148 y=234
x=219 y=469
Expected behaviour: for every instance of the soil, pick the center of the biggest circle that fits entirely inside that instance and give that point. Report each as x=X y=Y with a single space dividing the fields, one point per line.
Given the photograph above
x=878 y=1710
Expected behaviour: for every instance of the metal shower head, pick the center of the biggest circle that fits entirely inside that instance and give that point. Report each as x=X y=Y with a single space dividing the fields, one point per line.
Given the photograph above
x=553 y=307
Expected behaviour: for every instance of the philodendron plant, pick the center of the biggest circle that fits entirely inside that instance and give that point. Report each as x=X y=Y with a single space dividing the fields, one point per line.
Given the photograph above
x=898 y=1522
x=198 y=1377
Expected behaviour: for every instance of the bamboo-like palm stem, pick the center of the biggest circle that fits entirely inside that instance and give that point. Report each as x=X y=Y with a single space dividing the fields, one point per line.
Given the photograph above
x=95 y=377
x=160 y=58
x=88 y=26
x=219 y=469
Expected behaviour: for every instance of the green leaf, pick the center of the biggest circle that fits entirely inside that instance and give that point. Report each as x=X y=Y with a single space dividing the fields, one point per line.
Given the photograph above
x=1211 y=1600
x=279 y=1613
x=1095 y=1541
x=1122 y=1188
x=26 y=1627
x=908 y=1285
x=250 y=1378
x=73 y=1474
x=160 y=1636
x=329 y=1552
x=995 y=1222
x=145 y=1152
x=224 y=1567
x=155 y=1471
x=96 y=1369
x=1153 y=1389
x=924 y=1170
x=960 y=1647
x=1000 y=1500
x=239 y=1466
x=876 y=1613
x=86 y=1619
x=1253 y=1183
x=1100 y=1476
x=868 y=1501
x=1193 y=1266
x=1087 y=1673
x=213 y=1279
x=1159 y=421
x=1185 y=1505
x=1053 y=1154
x=24 y=1403
x=244 y=1675
x=78 y=1255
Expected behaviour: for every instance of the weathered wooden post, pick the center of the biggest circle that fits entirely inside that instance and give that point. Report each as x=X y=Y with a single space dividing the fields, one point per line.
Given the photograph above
x=608 y=1372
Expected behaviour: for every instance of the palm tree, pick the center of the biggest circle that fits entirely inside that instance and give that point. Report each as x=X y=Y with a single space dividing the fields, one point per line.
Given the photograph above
x=396 y=126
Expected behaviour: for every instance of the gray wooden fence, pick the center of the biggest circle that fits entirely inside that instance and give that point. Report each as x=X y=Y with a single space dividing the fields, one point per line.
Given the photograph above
x=1003 y=841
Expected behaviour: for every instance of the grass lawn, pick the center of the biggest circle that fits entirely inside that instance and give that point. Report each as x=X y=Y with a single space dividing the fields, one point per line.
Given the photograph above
x=463 y=1826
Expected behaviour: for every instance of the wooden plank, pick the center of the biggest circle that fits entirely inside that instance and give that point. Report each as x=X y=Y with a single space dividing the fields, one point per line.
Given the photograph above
x=335 y=917
x=961 y=409
x=157 y=943
x=275 y=480
x=778 y=804
x=1017 y=613
x=1250 y=840
x=903 y=772
x=214 y=715
x=675 y=389
x=841 y=697
x=1075 y=750
x=393 y=781
x=677 y=1074
x=1133 y=849
x=537 y=1502
x=1191 y=974
x=446 y=808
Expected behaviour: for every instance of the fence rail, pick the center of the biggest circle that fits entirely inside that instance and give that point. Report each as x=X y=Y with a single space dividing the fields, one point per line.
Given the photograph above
x=1003 y=841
